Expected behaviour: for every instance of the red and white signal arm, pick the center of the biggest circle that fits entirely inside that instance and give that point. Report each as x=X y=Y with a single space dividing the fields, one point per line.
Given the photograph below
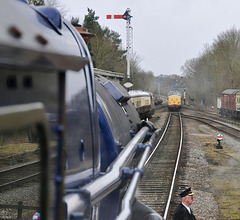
x=220 y=136
x=114 y=16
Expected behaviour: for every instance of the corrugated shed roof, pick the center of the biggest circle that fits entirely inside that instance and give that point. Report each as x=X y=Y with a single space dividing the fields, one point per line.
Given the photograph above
x=231 y=91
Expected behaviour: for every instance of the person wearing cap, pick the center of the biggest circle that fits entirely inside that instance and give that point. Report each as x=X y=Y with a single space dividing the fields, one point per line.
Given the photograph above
x=183 y=211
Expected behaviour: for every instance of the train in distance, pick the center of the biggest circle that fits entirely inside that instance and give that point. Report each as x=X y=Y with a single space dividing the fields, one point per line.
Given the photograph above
x=229 y=103
x=89 y=132
x=144 y=103
x=174 y=100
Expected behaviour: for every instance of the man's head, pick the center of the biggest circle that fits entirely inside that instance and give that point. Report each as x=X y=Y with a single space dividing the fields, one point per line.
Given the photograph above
x=187 y=200
x=187 y=197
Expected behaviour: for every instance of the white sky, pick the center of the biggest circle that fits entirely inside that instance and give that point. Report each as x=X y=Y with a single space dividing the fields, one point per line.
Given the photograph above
x=166 y=33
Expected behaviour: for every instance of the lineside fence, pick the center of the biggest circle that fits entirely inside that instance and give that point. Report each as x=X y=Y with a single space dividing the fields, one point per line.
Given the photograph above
x=19 y=210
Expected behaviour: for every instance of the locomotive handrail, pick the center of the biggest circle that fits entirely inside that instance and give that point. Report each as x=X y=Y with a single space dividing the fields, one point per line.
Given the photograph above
x=77 y=202
x=130 y=193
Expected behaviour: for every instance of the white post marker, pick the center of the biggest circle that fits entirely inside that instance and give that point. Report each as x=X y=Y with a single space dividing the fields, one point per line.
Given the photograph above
x=219 y=138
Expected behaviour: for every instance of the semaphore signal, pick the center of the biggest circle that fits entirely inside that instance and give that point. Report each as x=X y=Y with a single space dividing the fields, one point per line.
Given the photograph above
x=114 y=16
x=126 y=16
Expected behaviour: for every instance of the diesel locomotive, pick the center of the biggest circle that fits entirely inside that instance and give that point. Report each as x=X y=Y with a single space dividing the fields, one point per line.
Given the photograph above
x=174 y=100
x=88 y=134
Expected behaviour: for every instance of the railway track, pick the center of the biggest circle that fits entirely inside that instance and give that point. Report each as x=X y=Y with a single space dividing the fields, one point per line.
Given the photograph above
x=214 y=115
x=221 y=126
x=17 y=175
x=157 y=185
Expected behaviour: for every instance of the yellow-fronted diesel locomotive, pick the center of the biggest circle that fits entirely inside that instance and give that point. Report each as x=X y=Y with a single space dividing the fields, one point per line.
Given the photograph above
x=174 y=100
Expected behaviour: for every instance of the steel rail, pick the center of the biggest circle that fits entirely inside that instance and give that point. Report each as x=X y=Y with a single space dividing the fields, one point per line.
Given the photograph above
x=208 y=120
x=175 y=170
x=160 y=140
x=20 y=180
x=9 y=169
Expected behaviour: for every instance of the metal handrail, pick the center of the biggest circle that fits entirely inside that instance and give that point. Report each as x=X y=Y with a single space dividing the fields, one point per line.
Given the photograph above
x=130 y=193
x=77 y=202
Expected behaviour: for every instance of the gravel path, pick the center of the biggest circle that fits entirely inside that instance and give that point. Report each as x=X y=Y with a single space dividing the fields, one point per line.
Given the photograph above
x=197 y=174
x=200 y=172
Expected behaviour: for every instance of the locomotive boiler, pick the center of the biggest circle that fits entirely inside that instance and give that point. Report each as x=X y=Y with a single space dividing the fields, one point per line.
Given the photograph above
x=88 y=131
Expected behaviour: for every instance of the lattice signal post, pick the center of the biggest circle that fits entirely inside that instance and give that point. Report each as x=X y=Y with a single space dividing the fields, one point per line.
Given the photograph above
x=126 y=16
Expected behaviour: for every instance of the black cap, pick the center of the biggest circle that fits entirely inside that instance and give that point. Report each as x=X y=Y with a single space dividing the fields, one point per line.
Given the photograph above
x=187 y=192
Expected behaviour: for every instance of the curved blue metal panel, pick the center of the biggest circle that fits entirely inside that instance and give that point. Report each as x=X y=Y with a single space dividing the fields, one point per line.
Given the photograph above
x=25 y=1
x=52 y=15
x=108 y=147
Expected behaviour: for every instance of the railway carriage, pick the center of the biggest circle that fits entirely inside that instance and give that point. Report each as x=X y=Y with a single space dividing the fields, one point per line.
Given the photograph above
x=238 y=102
x=174 y=100
x=143 y=102
x=230 y=103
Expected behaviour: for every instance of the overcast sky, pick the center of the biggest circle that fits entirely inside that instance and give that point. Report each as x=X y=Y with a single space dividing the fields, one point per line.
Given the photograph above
x=166 y=33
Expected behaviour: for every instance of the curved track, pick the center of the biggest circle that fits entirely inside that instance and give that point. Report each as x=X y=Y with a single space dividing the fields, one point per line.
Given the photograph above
x=214 y=115
x=156 y=188
x=223 y=127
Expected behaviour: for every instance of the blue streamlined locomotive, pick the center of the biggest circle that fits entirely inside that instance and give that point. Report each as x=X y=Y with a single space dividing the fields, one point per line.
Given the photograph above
x=86 y=129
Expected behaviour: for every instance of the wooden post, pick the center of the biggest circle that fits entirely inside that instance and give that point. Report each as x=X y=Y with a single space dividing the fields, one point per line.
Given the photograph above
x=19 y=217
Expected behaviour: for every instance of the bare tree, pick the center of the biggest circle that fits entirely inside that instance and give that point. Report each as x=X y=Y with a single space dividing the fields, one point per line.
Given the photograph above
x=52 y=3
x=216 y=69
x=56 y=4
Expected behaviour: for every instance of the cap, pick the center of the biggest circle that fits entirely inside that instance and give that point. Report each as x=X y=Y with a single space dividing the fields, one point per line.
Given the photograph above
x=187 y=192
x=36 y=216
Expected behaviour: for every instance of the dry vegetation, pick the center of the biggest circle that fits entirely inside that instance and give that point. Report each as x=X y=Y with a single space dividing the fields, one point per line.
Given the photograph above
x=223 y=168
x=224 y=171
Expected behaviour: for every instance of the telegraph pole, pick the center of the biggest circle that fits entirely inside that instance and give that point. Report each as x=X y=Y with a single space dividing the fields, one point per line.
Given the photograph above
x=126 y=16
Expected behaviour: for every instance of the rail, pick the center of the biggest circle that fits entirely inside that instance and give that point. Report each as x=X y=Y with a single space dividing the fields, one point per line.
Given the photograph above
x=224 y=127
x=175 y=170
x=156 y=188
x=19 y=176
x=160 y=140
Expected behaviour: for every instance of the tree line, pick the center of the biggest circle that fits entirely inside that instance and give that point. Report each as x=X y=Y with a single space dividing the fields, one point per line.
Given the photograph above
x=217 y=68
